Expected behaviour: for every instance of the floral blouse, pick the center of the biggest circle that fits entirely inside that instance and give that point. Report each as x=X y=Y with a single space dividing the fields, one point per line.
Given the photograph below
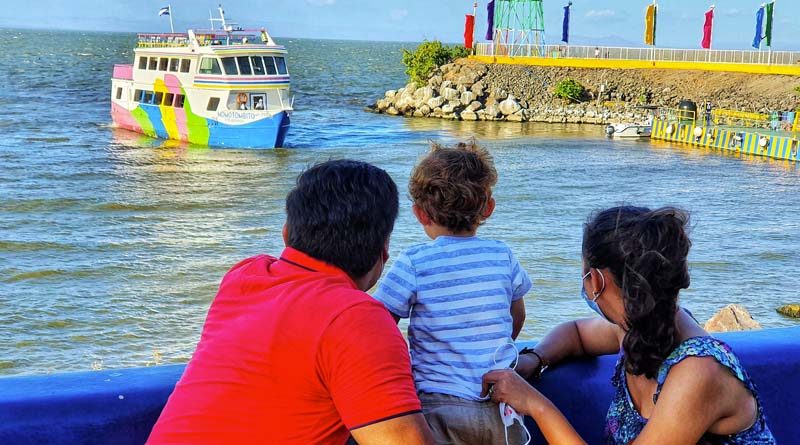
x=624 y=423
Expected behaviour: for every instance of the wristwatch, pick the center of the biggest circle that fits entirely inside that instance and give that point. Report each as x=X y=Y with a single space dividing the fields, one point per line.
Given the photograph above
x=543 y=364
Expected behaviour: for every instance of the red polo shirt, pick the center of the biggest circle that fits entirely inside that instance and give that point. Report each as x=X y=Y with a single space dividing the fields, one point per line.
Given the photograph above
x=291 y=353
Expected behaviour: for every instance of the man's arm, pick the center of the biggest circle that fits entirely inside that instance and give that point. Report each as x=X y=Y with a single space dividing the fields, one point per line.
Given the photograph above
x=364 y=362
x=405 y=430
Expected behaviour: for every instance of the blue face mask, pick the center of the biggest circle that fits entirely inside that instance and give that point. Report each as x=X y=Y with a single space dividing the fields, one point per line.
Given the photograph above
x=593 y=303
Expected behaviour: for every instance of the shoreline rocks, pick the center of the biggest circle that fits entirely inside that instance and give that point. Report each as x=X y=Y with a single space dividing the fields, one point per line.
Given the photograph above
x=472 y=91
x=732 y=317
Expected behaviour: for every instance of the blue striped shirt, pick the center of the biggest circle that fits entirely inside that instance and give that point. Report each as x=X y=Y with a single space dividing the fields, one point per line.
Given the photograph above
x=458 y=293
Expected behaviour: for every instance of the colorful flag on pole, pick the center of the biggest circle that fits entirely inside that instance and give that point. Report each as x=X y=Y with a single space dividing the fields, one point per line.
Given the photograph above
x=565 y=25
x=490 y=20
x=768 y=30
x=469 y=31
x=163 y=11
x=708 y=26
x=759 y=28
x=650 y=25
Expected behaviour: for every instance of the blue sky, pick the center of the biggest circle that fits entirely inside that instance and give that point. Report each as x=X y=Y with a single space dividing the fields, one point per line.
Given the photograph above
x=601 y=22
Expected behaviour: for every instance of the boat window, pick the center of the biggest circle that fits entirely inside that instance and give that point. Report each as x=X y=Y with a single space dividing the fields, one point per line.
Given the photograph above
x=244 y=66
x=269 y=63
x=119 y=93
x=258 y=65
x=281 y=62
x=137 y=95
x=168 y=99
x=185 y=63
x=173 y=64
x=209 y=66
x=162 y=64
x=229 y=63
x=159 y=96
x=148 y=97
x=273 y=100
x=213 y=104
x=142 y=63
x=179 y=100
x=153 y=64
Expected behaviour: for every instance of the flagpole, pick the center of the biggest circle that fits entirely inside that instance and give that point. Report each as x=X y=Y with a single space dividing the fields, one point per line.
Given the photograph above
x=171 y=28
x=475 y=23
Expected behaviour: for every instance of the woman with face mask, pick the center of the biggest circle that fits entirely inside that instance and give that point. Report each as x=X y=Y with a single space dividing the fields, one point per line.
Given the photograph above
x=673 y=382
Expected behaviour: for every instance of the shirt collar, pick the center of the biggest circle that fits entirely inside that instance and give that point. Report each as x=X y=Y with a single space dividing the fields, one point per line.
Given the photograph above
x=307 y=263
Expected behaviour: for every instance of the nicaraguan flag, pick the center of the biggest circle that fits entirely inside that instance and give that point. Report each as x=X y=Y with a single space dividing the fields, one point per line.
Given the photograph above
x=163 y=11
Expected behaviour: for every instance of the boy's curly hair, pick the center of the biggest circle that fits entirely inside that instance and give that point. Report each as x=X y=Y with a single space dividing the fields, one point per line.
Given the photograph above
x=454 y=185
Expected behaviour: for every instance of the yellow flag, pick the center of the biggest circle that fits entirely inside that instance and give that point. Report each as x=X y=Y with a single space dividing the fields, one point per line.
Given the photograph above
x=650 y=25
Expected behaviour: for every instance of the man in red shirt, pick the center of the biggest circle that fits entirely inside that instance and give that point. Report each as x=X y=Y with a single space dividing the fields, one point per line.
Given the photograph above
x=293 y=350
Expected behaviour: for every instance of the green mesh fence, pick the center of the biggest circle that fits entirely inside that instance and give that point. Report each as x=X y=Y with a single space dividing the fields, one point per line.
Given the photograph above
x=519 y=15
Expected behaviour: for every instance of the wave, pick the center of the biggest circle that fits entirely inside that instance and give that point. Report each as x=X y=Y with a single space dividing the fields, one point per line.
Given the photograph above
x=32 y=246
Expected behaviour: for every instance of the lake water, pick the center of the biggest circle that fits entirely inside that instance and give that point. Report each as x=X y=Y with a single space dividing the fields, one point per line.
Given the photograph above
x=112 y=244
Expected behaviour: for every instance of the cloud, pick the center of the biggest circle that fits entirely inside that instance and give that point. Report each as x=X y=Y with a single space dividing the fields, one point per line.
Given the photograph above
x=321 y=2
x=398 y=14
x=601 y=13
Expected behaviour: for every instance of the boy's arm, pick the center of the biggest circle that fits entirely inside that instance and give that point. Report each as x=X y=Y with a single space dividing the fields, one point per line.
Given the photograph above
x=397 y=290
x=517 y=317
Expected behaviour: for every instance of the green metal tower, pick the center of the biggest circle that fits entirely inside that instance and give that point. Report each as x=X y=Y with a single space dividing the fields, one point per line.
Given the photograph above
x=519 y=28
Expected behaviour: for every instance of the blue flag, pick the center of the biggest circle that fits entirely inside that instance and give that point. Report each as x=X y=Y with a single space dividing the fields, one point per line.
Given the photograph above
x=565 y=26
x=490 y=19
x=759 y=28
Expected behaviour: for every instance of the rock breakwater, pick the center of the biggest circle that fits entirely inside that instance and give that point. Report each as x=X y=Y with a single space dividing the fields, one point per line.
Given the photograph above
x=469 y=90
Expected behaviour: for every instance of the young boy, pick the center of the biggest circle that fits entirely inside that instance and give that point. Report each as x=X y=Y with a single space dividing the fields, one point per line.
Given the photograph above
x=464 y=295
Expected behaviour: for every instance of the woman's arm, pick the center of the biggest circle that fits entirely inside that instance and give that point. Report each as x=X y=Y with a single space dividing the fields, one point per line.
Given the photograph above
x=697 y=394
x=507 y=386
x=579 y=338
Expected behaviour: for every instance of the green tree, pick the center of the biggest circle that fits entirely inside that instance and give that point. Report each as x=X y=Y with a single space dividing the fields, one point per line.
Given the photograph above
x=428 y=56
x=570 y=89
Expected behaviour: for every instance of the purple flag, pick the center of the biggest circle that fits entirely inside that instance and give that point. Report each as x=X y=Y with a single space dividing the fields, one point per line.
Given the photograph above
x=490 y=19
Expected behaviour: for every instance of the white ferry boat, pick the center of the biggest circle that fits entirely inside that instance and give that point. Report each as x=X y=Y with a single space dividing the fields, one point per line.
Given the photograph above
x=227 y=87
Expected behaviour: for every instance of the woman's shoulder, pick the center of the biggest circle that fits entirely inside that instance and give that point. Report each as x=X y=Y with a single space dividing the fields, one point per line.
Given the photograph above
x=705 y=358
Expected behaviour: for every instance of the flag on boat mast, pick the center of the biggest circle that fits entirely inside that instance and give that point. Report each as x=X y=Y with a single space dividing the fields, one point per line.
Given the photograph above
x=708 y=27
x=759 y=28
x=650 y=18
x=167 y=10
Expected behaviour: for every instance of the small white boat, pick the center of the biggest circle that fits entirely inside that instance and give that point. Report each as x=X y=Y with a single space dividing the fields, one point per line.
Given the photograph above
x=629 y=130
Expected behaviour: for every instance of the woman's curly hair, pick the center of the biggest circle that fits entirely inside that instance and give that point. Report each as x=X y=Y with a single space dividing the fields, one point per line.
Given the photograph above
x=454 y=185
x=646 y=252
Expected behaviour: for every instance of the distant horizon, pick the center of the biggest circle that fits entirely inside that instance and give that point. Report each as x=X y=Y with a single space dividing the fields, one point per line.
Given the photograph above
x=596 y=22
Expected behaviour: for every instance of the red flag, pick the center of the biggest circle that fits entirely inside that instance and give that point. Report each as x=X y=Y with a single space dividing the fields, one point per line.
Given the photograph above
x=469 y=31
x=707 y=29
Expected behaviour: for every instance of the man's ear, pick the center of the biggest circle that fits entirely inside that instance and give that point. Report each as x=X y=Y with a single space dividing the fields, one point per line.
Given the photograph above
x=285 y=232
x=489 y=209
x=422 y=215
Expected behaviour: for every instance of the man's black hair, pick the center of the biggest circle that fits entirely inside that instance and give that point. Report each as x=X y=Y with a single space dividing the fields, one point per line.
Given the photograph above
x=342 y=212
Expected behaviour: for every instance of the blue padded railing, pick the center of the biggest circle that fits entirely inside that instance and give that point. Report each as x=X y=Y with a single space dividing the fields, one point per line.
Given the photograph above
x=120 y=407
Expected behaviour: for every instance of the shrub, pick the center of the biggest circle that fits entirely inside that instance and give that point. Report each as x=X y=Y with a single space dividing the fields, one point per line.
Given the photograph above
x=421 y=62
x=797 y=89
x=570 y=89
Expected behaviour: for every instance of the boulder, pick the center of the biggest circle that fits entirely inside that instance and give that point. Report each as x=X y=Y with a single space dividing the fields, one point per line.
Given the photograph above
x=423 y=94
x=448 y=108
x=436 y=102
x=392 y=111
x=732 y=317
x=446 y=84
x=492 y=111
x=450 y=94
x=446 y=68
x=411 y=88
x=790 y=310
x=467 y=97
x=519 y=116
x=469 y=116
x=382 y=104
x=474 y=106
x=499 y=93
x=509 y=106
x=479 y=88
x=435 y=81
x=391 y=94
x=425 y=110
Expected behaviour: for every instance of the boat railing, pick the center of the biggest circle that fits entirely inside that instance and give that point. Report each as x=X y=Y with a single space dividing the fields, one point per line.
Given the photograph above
x=750 y=57
x=168 y=40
